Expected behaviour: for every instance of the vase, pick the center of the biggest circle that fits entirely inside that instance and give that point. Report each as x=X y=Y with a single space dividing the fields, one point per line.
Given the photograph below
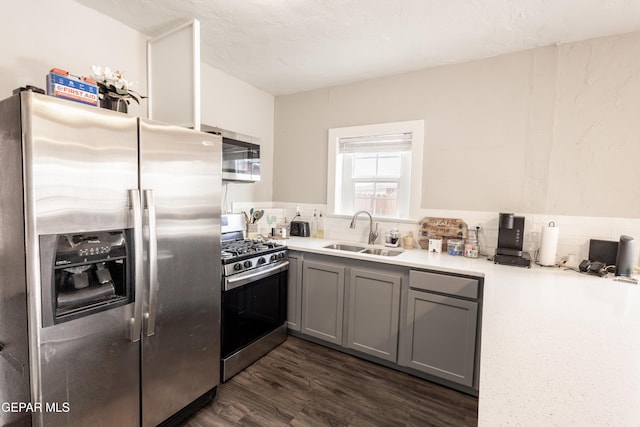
x=115 y=104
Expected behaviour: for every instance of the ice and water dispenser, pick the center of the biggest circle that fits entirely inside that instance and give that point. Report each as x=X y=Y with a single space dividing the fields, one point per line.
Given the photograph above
x=85 y=273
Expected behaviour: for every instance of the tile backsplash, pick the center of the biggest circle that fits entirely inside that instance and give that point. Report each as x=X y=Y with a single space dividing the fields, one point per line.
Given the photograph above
x=574 y=231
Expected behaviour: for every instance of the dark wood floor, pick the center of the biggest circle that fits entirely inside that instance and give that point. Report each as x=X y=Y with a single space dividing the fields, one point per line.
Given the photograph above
x=304 y=384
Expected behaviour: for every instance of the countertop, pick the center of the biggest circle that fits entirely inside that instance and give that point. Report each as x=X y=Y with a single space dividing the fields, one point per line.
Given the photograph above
x=558 y=347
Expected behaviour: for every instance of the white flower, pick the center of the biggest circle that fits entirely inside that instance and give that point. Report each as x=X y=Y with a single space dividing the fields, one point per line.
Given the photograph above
x=97 y=72
x=114 y=82
x=115 y=79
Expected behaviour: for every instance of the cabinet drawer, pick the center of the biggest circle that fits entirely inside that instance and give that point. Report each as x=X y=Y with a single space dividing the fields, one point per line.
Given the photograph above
x=443 y=283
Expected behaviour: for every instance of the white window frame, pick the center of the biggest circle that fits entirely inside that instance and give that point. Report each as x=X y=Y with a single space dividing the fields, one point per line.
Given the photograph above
x=416 y=127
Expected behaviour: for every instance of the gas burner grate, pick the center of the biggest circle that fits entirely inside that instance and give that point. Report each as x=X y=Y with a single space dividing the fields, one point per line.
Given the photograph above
x=237 y=248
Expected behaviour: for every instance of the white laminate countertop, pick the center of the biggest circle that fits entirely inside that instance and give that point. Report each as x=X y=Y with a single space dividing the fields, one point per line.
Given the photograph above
x=558 y=348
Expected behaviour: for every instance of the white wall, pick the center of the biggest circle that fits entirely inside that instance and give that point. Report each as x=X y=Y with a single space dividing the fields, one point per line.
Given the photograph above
x=551 y=134
x=38 y=35
x=231 y=104
x=553 y=130
x=596 y=145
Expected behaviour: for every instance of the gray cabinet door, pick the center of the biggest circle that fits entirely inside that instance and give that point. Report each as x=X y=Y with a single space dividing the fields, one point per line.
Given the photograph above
x=442 y=336
x=323 y=301
x=373 y=314
x=294 y=291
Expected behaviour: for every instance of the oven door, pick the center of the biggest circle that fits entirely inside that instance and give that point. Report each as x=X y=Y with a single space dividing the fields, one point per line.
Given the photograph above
x=253 y=305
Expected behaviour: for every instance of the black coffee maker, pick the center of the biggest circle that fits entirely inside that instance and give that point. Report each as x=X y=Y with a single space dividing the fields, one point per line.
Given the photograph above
x=510 y=239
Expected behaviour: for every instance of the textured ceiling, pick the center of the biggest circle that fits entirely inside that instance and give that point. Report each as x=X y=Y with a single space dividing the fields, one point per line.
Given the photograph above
x=288 y=46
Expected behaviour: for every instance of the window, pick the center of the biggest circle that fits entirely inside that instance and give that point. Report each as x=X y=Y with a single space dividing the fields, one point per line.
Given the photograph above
x=376 y=168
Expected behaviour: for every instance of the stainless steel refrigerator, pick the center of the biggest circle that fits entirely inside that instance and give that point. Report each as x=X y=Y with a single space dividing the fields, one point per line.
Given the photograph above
x=110 y=254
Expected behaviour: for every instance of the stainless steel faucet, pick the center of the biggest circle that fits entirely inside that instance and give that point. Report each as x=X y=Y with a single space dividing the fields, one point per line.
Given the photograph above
x=373 y=235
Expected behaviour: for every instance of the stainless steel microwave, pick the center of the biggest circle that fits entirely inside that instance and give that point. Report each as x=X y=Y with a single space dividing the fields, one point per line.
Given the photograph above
x=240 y=155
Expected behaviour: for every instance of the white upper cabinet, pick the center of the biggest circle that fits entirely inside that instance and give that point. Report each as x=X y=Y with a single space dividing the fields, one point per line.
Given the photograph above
x=173 y=67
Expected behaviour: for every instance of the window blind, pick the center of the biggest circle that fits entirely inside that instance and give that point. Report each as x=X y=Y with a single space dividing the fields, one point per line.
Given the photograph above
x=394 y=142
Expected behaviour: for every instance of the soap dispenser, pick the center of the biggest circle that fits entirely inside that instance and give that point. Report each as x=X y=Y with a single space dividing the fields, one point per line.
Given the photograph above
x=320 y=227
x=314 y=224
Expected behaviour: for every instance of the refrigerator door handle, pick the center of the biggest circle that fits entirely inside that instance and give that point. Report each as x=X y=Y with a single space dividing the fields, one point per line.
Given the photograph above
x=150 y=316
x=135 y=321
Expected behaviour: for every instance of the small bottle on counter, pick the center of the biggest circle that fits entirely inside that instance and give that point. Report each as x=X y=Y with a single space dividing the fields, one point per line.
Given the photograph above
x=320 y=228
x=314 y=224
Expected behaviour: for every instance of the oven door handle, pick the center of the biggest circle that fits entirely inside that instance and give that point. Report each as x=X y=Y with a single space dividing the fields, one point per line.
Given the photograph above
x=241 y=279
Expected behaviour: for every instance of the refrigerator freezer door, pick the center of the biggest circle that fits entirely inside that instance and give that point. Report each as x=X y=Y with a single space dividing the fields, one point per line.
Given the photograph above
x=80 y=162
x=14 y=346
x=181 y=355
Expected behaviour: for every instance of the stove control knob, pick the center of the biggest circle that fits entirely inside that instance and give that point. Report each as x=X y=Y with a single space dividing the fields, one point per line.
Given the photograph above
x=281 y=255
x=247 y=264
x=273 y=257
x=237 y=266
x=261 y=260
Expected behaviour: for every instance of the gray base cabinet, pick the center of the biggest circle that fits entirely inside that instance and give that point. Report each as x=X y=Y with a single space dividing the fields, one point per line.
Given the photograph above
x=323 y=300
x=373 y=313
x=421 y=321
x=441 y=329
x=294 y=291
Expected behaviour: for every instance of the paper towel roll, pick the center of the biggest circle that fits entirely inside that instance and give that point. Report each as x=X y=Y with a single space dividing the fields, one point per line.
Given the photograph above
x=549 y=244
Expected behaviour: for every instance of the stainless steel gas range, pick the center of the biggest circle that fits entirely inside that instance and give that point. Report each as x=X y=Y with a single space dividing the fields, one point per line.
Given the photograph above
x=254 y=296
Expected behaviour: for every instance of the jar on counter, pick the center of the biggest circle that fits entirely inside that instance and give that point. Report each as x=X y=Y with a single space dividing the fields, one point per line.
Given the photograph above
x=471 y=249
x=455 y=247
x=392 y=237
x=407 y=241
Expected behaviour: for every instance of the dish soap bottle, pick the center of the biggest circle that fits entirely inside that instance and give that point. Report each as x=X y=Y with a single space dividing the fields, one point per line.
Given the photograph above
x=314 y=224
x=320 y=228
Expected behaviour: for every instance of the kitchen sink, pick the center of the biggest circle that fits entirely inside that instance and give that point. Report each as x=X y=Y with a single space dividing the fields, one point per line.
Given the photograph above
x=363 y=249
x=345 y=247
x=383 y=252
